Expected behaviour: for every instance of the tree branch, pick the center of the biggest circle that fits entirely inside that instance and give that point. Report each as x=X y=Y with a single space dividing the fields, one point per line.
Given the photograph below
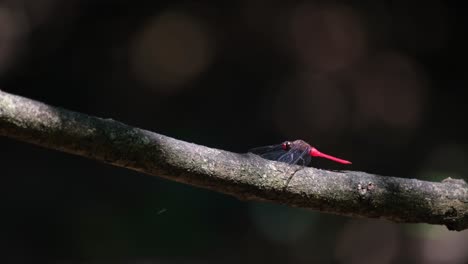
x=244 y=176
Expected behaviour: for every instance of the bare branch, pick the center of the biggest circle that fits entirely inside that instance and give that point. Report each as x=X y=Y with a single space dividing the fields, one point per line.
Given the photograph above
x=244 y=176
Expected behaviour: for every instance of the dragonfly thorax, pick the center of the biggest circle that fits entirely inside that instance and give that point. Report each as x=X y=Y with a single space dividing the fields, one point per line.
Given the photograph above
x=300 y=145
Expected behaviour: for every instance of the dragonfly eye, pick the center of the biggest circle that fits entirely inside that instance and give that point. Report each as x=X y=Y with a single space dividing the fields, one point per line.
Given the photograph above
x=286 y=145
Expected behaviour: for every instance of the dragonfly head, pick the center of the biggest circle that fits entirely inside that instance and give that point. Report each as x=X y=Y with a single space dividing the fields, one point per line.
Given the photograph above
x=286 y=145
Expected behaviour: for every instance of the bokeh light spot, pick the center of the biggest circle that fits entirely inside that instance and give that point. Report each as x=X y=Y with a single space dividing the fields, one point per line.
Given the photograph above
x=12 y=28
x=172 y=50
x=438 y=244
x=327 y=38
x=368 y=241
x=282 y=224
x=310 y=108
x=389 y=90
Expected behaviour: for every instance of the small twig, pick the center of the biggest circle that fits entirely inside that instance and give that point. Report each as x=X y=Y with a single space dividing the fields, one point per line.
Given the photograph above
x=244 y=176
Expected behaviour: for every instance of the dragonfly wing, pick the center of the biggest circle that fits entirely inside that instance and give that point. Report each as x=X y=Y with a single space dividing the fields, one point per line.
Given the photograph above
x=304 y=159
x=272 y=152
x=296 y=156
x=273 y=155
x=277 y=153
x=266 y=149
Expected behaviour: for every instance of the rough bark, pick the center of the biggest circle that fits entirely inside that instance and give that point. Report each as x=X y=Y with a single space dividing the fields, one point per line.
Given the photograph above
x=244 y=176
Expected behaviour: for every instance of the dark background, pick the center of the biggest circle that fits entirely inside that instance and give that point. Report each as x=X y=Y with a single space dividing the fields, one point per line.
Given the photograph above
x=381 y=83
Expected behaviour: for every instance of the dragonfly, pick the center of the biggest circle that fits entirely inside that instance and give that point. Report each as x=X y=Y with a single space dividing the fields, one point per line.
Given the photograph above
x=293 y=152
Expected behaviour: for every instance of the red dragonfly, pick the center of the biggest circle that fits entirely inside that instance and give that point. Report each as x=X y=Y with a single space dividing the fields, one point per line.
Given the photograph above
x=293 y=152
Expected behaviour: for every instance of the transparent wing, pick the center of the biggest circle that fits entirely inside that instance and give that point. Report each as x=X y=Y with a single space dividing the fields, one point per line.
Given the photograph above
x=304 y=159
x=296 y=156
x=272 y=152
x=277 y=153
